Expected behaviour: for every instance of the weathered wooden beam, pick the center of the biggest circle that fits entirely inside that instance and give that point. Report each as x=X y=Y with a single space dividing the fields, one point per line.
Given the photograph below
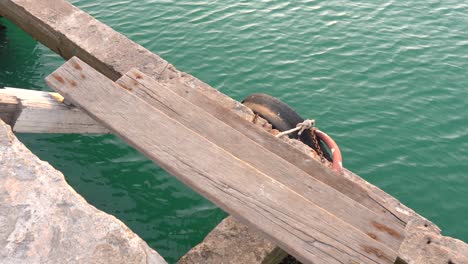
x=253 y=153
x=70 y=31
x=302 y=227
x=31 y=111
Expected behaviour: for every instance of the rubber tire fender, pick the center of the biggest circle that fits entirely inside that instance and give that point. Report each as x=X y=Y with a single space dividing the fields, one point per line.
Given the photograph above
x=281 y=116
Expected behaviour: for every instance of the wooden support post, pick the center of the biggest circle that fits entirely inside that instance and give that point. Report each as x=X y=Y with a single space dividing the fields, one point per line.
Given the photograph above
x=259 y=196
x=31 y=111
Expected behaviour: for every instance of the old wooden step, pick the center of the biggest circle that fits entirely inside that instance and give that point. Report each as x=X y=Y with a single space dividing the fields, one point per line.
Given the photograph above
x=254 y=153
x=283 y=211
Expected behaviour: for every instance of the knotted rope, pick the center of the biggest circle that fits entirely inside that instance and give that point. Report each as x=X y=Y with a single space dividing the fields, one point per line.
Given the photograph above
x=307 y=124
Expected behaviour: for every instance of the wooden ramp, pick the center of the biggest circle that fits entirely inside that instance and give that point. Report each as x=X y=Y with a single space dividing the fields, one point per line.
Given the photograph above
x=306 y=217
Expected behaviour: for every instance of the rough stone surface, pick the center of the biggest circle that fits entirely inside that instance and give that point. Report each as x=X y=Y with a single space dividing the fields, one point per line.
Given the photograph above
x=233 y=242
x=43 y=220
x=425 y=244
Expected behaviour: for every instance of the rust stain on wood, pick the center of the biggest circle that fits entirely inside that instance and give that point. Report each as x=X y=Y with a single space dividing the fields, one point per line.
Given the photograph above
x=387 y=229
x=82 y=76
x=255 y=118
x=76 y=65
x=125 y=86
x=372 y=235
x=137 y=75
x=58 y=78
x=72 y=82
x=372 y=250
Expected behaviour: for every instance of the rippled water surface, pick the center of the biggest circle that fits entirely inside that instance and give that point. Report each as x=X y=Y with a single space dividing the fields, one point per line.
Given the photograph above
x=387 y=79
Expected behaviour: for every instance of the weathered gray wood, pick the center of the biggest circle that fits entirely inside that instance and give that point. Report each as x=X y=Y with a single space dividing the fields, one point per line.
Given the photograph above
x=69 y=31
x=31 y=111
x=298 y=225
x=288 y=152
x=376 y=225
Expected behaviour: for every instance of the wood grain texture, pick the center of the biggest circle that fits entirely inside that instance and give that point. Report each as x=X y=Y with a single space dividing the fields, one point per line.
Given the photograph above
x=44 y=112
x=262 y=159
x=282 y=149
x=298 y=225
x=71 y=32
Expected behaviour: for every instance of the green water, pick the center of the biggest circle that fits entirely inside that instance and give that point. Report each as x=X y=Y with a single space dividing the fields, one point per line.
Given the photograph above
x=387 y=79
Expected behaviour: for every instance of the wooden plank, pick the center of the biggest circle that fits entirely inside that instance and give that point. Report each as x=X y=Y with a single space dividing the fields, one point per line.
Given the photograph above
x=262 y=159
x=44 y=112
x=289 y=153
x=301 y=227
x=71 y=32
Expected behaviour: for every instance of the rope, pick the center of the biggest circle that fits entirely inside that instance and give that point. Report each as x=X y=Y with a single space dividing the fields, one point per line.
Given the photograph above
x=307 y=124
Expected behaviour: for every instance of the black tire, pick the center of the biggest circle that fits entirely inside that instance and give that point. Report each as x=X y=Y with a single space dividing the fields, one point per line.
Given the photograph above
x=281 y=117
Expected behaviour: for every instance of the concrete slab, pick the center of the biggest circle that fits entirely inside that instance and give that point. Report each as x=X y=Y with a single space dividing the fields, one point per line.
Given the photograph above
x=43 y=220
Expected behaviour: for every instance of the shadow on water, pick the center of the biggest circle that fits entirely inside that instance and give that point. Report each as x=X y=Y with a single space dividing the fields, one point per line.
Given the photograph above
x=19 y=55
x=3 y=47
x=2 y=33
